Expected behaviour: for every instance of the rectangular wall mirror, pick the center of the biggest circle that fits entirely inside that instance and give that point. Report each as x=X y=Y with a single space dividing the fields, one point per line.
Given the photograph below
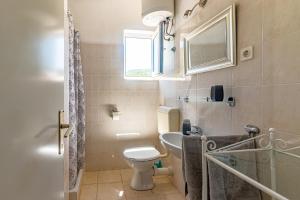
x=212 y=46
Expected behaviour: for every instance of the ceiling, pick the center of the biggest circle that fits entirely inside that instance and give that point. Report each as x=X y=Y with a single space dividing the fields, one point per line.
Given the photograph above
x=103 y=21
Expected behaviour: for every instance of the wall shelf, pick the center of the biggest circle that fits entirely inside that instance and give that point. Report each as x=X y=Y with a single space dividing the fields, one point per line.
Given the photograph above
x=231 y=101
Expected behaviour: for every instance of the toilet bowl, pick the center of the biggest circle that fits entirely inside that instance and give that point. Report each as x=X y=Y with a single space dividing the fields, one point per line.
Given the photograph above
x=141 y=159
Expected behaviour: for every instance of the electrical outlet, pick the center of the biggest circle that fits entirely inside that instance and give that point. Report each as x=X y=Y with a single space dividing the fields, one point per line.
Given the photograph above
x=246 y=53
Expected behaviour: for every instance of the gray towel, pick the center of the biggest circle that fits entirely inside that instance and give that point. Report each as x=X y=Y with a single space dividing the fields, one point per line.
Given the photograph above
x=224 y=186
x=192 y=166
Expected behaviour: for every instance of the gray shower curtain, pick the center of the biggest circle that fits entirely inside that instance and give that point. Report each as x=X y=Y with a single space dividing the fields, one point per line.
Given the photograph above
x=76 y=105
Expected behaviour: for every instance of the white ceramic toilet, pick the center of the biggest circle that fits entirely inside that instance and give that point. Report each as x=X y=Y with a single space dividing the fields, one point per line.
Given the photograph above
x=141 y=159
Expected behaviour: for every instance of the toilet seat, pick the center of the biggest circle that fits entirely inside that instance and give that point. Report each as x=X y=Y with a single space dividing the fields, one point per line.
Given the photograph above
x=141 y=154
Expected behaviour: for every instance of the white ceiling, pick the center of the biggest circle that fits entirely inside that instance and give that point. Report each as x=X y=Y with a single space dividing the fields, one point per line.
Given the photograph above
x=103 y=21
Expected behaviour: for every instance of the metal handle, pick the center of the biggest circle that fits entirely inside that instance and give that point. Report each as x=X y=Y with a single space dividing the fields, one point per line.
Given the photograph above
x=61 y=127
x=252 y=130
x=64 y=126
x=196 y=130
x=68 y=132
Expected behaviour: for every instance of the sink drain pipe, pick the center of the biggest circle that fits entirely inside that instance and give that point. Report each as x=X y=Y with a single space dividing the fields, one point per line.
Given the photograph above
x=167 y=171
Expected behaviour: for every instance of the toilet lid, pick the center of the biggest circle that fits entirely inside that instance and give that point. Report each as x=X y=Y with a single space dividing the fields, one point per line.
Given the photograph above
x=142 y=153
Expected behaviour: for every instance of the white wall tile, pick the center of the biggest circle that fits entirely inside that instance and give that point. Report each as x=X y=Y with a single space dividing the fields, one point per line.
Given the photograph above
x=136 y=100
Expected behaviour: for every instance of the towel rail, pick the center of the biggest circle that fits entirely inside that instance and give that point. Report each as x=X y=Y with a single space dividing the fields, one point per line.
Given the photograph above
x=247 y=179
x=269 y=145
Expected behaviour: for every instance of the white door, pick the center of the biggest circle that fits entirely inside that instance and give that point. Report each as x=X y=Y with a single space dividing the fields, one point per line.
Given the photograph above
x=31 y=93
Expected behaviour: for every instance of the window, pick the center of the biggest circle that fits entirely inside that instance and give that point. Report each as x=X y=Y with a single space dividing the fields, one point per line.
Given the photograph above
x=158 y=51
x=138 y=51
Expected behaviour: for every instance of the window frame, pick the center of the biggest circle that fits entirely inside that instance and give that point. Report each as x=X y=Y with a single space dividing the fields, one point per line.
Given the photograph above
x=158 y=33
x=139 y=34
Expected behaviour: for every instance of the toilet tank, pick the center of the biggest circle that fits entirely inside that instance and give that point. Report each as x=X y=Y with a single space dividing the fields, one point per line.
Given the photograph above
x=168 y=119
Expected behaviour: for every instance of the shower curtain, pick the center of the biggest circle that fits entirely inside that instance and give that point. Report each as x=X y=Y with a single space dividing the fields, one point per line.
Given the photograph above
x=76 y=105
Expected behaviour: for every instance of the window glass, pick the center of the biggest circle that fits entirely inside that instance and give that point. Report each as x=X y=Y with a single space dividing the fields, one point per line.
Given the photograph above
x=138 y=56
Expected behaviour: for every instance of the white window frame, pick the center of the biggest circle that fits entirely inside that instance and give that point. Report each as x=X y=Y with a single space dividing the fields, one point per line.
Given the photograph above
x=157 y=72
x=140 y=35
x=155 y=75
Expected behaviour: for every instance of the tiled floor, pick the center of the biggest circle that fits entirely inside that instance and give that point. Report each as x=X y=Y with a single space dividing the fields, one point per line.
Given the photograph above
x=114 y=185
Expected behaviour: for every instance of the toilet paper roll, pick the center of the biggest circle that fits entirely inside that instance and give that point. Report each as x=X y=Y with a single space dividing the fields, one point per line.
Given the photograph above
x=116 y=116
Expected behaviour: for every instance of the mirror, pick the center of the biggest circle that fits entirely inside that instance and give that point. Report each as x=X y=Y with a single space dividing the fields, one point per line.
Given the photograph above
x=212 y=46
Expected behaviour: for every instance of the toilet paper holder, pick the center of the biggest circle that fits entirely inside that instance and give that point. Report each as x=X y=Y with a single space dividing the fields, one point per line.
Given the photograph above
x=115 y=113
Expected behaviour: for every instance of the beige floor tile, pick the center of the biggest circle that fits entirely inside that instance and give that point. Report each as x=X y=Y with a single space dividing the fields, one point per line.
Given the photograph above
x=88 y=192
x=111 y=191
x=161 y=179
x=90 y=178
x=133 y=194
x=112 y=176
x=114 y=185
x=164 y=188
x=126 y=175
x=150 y=197
x=174 y=196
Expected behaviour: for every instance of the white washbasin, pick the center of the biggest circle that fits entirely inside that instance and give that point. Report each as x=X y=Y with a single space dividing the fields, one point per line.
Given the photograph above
x=173 y=142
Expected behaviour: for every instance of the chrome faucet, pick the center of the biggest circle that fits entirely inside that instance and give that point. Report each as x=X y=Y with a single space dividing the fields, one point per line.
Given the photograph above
x=252 y=130
x=196 y=130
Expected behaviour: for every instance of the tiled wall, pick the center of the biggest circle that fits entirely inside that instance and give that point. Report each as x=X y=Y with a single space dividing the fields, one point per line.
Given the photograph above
x=267 y=87
x=136 y=100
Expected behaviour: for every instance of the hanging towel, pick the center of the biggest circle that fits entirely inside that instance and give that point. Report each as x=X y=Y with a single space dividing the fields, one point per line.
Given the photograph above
x=192 y=166
x=192 y=172
x=226 y=186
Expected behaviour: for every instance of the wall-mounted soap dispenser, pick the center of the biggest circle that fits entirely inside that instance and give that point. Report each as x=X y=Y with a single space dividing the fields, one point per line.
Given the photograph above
x=217 y=93
x=186 y=127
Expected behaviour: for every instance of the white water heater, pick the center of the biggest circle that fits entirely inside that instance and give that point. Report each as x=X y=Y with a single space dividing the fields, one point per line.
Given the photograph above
x=156 y=11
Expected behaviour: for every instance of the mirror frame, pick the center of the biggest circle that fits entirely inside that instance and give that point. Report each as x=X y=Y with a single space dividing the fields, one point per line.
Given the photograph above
x=229 y=15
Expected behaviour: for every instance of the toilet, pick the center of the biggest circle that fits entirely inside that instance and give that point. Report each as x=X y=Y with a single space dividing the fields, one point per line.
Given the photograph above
x=141 y=159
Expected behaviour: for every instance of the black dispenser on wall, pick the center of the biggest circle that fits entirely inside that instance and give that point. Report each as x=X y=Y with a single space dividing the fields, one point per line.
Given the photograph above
x=217 y=93
x=186 y=127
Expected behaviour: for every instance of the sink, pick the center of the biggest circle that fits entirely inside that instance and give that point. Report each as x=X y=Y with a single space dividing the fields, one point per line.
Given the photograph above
x=173 y=142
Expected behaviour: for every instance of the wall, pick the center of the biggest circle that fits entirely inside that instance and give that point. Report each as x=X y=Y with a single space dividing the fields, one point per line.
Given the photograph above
x=267 y=88
x=136 y=100
x=101 y=25
x=103 y=21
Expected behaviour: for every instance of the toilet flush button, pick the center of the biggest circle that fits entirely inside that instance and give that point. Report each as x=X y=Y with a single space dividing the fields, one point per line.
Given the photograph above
x=246 y=53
